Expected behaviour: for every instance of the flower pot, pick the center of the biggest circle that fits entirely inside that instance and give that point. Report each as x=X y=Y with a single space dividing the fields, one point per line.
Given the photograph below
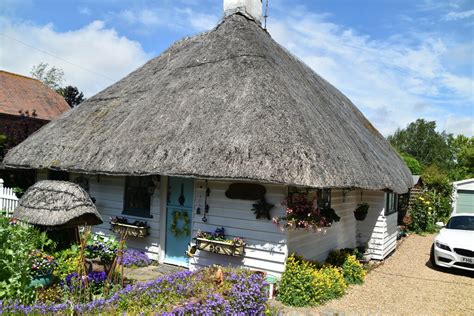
x=97 y=265
x=41 y=281
x=360 y=216
x=130 y=230
x=220 y=247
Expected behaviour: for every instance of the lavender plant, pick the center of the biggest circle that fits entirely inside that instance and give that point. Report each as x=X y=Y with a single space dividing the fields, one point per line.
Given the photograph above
x=196 y=293
x=134 y=258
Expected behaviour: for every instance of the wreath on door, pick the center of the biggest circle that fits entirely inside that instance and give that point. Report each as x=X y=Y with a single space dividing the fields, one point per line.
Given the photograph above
x=177 y=217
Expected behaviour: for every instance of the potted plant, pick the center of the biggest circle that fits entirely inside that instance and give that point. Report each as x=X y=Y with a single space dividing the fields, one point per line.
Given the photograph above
x=361 y=211
x=136 y=229
x=303 y=213
x=99 y=253
x=42 y=266
x=217 y=243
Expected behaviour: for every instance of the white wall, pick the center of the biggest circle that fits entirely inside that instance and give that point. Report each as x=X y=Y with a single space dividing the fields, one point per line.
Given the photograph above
x=378 y=232
x=109 y=194
x=317 y=245
x=266 y=244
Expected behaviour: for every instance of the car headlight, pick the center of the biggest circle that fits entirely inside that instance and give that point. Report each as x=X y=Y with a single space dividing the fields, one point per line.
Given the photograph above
x=442 y=246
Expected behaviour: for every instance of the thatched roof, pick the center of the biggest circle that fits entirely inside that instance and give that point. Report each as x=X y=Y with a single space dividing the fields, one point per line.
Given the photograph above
x=57 y=203
x=227 y=104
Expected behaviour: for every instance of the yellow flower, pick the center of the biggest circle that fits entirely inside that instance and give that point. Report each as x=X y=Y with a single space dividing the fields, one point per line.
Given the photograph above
x=421 y=198
x=427 y=202
x=430 y=208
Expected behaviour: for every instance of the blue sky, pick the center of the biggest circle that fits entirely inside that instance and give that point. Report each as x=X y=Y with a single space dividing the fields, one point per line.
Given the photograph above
x=397 y=60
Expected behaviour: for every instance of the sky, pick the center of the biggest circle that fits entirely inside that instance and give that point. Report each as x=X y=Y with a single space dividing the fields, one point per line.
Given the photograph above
x=397 y=60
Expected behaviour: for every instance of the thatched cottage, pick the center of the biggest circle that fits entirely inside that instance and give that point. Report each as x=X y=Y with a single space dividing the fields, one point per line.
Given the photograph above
x=190 y=140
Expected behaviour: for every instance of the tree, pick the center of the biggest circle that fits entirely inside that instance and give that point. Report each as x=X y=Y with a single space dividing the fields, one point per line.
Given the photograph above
x=462 y=151
x=52 y=77
x=412 y=163
x=421 y=141
x=72 y=95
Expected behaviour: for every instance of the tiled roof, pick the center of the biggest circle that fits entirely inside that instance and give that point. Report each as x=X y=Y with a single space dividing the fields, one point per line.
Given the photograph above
x=20 y=93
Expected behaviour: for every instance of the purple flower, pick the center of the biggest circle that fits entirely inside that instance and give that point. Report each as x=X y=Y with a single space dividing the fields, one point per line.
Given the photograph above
x=132 y=257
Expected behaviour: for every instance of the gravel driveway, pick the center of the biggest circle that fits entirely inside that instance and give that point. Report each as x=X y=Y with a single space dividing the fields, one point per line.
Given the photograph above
x=405 y=284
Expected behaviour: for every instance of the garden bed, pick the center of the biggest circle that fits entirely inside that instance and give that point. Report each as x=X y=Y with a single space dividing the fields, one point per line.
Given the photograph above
x=202 y=292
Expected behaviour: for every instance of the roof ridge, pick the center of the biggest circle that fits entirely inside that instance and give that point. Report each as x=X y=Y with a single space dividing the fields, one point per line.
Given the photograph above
x=18 y=75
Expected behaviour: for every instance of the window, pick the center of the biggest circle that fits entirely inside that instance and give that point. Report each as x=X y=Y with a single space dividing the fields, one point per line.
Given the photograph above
x=391 y=200
x=137 y=196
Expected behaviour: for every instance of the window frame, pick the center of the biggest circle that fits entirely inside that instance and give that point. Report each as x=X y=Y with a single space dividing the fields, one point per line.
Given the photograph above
x=391 y=203
x=144 y=212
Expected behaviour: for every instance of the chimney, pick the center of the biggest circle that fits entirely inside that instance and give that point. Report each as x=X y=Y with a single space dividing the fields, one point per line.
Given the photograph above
x=250 y=8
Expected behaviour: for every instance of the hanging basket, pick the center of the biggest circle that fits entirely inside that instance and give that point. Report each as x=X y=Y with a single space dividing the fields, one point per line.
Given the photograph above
x=130 y=230
x=360 y=216
x=361 y=211
x=220 y=247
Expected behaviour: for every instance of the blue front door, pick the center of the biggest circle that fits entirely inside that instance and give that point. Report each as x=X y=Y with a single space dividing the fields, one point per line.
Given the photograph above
x=179 y=212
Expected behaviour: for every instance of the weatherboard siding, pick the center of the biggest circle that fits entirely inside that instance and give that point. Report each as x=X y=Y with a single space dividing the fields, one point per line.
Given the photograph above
x=109 y=194
x=265 y=249
x=317 y=245
x=377 y=232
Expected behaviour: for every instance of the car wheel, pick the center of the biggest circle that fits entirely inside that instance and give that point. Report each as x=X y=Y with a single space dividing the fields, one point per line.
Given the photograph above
x=432 y=258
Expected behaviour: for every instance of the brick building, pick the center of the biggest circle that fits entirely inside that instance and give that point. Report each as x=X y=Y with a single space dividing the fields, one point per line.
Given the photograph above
x=26 y=104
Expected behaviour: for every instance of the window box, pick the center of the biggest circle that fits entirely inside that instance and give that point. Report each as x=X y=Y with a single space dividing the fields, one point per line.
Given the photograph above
x=130 y=230
x=220 y=247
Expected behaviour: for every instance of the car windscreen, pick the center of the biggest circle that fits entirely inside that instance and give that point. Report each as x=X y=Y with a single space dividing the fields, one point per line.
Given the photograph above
x=461 y=222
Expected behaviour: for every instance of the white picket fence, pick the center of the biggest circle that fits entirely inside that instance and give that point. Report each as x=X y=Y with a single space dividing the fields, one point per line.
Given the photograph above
x=8 y=200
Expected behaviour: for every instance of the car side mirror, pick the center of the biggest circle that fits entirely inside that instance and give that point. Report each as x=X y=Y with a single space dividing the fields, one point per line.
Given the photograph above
x=440 y=224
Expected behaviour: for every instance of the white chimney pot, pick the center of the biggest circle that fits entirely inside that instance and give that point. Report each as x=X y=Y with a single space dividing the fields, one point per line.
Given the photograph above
x=252 y=8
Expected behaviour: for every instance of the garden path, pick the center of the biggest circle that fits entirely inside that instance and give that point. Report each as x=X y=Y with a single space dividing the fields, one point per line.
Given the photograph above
x=152 y=272
x=405 y=284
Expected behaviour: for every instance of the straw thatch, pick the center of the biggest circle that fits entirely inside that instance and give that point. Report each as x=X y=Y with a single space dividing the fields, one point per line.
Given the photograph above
x=227 y=104
x=57 y=203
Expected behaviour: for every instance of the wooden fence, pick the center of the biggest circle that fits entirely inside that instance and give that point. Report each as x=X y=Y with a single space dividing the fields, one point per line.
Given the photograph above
x=8 y=200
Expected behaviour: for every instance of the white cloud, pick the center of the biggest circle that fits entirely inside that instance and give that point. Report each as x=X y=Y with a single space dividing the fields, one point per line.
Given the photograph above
x=459 y=125
x=174 y=18
x=144 y=17
x=94 y=47
x=392 y=81
x=85 y=11
x=452 y=16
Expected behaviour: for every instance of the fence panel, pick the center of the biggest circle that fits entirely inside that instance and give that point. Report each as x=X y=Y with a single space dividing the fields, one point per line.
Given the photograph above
x=8 y=200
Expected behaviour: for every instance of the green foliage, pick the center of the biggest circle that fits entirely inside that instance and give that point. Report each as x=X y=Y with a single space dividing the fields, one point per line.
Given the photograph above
x=423 y=215
x=52 y=77
x=72 y=95
x=412 y=163
x=296 y=285
x=67 y=262
x=101 y=247
x=339 y=256
x=328 y=283
x=462 y=149
x=353 y=271
x=16 y=243
x=421 y=141
x=307 y=283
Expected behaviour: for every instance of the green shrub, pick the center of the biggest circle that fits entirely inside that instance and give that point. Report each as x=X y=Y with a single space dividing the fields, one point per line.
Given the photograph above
x=15 y=245
x=307 y=283
x=296 y=285
x=353 y=270
x=339 y=256
x=67 y=262
x=423 y=215
x=328 y=283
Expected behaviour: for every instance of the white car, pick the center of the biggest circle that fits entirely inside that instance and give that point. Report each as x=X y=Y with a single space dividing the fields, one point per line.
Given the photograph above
x=454 y=245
